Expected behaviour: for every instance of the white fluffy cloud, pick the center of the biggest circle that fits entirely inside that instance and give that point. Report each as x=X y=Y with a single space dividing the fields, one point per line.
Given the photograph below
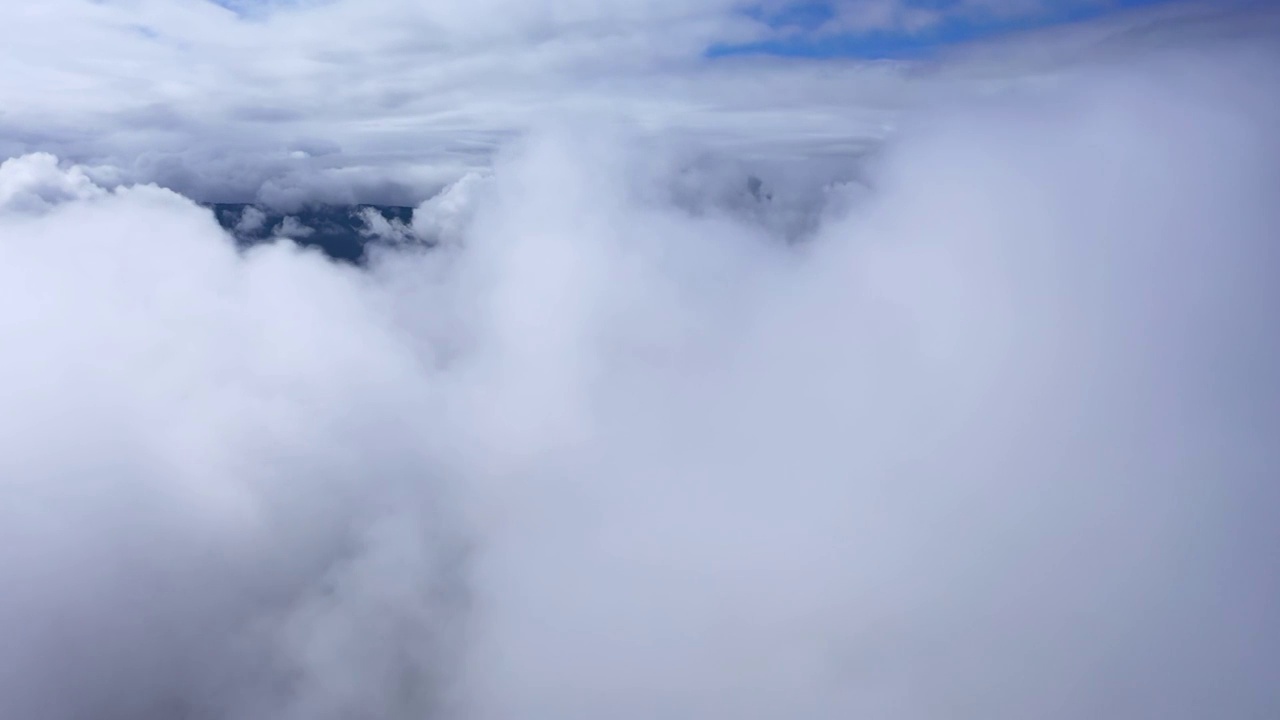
x=996 y=441
x=33 y=182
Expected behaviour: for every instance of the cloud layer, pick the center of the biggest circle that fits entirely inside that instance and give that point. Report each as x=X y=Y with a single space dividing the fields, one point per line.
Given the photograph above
x=387 y=102
x=996 y=440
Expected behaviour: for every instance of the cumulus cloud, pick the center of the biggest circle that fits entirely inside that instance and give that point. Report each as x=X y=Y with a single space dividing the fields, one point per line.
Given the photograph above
x=995 y=440
x=251 y=220
x=164 y=506
x=444 y=217
x=378 y=226
x=34 y=182
x=292 y=227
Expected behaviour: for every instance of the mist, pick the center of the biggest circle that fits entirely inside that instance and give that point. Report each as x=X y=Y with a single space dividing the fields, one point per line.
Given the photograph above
x=980 y=425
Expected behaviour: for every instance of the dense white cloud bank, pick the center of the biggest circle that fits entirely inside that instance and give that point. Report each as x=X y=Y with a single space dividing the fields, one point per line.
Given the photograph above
x=996 y=441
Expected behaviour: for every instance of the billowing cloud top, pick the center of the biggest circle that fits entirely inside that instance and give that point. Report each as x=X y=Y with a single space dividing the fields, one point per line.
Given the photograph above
x=813 y=389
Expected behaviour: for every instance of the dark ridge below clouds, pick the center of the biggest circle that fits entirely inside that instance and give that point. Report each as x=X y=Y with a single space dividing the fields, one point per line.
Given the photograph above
x=341 y=232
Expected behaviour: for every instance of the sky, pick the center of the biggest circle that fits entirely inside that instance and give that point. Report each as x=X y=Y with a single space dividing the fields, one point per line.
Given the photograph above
x=882 y=30
x=691 y=384
x=874 y=29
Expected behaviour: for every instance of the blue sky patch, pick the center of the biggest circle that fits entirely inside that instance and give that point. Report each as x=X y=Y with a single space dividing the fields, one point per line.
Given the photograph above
x=801 y=28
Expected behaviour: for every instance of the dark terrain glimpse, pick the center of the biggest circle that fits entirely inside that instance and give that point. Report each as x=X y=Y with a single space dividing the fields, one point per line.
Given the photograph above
x=341 y=231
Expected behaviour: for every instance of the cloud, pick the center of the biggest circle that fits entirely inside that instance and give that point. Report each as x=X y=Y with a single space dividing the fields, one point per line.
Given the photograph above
x=378 y=226
x=293 y=228
x=444 y=217
x=390 y=101
x=33 y=182
x=996 y=440
x=161 y=418
x=251 y=220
